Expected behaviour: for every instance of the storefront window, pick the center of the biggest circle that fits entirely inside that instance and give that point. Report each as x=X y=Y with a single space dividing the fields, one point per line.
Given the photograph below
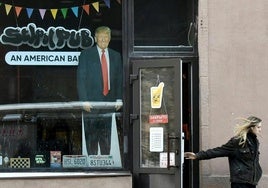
x=41 y=115
x=163 y=24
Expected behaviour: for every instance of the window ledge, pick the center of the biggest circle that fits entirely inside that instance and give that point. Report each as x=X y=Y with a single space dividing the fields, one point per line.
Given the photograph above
x=25 y=175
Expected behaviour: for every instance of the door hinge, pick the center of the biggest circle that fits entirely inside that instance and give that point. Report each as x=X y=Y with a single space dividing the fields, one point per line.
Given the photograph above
x=133 y=117
x=132 y=77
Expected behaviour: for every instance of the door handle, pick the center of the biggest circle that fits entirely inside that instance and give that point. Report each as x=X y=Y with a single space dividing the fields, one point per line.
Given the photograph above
x=169 y=138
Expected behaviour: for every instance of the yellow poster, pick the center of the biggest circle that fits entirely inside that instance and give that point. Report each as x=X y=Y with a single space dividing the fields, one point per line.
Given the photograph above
x=157 y=95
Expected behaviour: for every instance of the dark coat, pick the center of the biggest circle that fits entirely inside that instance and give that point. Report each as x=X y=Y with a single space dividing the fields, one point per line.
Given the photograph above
x=243 y=161
x=89 y=76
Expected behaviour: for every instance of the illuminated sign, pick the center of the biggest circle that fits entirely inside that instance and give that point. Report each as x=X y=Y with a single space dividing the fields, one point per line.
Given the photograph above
x=53 y=38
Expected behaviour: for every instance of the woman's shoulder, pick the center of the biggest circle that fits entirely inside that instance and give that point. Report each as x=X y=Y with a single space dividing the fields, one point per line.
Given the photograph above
x=235 y=140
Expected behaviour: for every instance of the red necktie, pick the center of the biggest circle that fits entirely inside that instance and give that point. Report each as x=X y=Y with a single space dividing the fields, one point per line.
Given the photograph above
x=104 y=73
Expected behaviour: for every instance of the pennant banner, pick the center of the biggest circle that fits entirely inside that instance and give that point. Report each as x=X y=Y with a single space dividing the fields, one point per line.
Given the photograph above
x=96 y=6
x=86 y=8
x=8 y=8
x=54 y=11
x=29 y=12
x=42 y=13
x=64 y=12
x=75 y=11
x=18 y=10
x=107 y=2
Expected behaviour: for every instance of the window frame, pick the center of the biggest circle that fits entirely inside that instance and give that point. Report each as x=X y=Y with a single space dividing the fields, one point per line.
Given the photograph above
x=158 y=51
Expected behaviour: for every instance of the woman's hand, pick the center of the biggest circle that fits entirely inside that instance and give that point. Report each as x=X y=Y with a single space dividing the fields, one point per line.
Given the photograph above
x=189 y=155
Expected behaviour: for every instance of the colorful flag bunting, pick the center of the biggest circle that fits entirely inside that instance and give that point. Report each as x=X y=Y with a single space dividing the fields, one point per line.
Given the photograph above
x=42 y=12
x=107 y=3
x=8 y=7
x=64 y=12
x=29 y=12
x=75 y=11
x=96 y=5
x=18 y=10
x=54 y=11
x=86 y=8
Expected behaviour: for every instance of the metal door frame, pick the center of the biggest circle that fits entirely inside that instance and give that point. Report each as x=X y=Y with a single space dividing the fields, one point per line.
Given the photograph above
x=135 y=82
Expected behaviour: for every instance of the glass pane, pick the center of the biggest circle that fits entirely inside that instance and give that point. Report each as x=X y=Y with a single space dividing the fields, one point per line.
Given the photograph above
x=34 y=38
x=163 y=23
x=40 y=112
x=157 y=115
x=54 y=136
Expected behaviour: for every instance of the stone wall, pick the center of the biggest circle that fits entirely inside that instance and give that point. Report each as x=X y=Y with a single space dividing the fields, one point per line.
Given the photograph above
x=233 y=43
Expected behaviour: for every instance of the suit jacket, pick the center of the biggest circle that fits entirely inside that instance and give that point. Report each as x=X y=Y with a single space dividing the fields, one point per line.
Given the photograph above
x=89 y=76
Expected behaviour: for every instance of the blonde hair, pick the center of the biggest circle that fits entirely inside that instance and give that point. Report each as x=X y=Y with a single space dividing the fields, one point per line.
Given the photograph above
x=244 y=127
x=103 y=29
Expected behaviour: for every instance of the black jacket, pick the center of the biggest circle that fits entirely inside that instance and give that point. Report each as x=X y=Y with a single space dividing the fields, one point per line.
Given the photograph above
x=243 y=161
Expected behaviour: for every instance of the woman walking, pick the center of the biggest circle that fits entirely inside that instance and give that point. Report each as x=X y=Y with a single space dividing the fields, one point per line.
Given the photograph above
x=242 y=151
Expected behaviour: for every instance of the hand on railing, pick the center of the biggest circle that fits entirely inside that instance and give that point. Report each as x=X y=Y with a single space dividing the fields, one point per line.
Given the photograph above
x=118 y=104
x=87 y=106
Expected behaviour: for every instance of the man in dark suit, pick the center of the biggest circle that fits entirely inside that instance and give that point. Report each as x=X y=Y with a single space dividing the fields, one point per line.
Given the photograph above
x=95 y=83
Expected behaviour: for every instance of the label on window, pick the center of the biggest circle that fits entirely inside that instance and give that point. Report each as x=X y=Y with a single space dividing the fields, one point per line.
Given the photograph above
x=157 y=95
x=160 y=118
x=74 y=161
x=164 y=159
x=100 y=161
x=156 y=139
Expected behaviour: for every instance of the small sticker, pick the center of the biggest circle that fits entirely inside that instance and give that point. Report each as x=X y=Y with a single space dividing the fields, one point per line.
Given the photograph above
x=100 y=161
x=160 y=118
x=157 y=95
x=163 y=159
x=156 y=139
